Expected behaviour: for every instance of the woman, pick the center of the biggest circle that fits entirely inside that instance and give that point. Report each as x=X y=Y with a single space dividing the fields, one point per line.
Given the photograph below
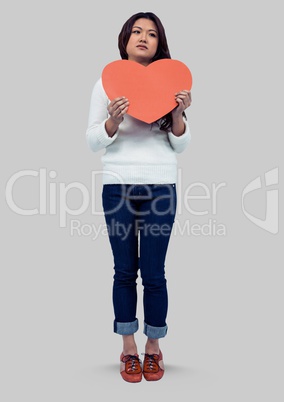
x=139 y=197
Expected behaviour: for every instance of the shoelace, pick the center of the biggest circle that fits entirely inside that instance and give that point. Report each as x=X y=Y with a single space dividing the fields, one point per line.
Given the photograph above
x=134 y=361
x=151 y=361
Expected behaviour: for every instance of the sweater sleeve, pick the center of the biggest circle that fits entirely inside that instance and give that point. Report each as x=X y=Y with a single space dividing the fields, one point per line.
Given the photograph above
x=97 y=137
x=179 y=143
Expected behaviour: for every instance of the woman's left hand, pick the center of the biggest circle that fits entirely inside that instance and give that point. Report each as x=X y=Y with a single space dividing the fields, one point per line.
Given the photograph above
x=183 y=98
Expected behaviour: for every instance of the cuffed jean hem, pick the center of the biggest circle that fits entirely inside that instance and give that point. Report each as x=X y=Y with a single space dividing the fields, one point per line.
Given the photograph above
x=126 y=328
x=155 y=332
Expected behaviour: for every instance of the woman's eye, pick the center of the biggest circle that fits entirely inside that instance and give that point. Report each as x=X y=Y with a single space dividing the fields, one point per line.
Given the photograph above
x=136 y=31
x=153 y=35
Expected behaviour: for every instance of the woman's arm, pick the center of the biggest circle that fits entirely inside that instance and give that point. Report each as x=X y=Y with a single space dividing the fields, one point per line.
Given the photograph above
x=178 y=126
x=180 y=142
x=100 y=132
x=180 y=136
x=183 y=99
x=116 y=109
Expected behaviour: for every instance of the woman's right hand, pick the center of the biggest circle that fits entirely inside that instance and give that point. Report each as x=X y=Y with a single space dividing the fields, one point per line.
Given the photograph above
x=117 y=109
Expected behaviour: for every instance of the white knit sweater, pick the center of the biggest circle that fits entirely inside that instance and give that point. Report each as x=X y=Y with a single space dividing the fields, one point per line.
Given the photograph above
x=138 y=153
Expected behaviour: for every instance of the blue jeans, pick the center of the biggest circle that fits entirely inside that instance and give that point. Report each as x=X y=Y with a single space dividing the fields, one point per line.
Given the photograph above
x=139 y=219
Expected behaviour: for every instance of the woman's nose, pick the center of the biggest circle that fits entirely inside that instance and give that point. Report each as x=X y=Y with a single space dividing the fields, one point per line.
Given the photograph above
x=143 y=38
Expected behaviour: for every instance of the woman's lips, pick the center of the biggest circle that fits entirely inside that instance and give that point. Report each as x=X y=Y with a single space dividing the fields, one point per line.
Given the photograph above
x=142 y=47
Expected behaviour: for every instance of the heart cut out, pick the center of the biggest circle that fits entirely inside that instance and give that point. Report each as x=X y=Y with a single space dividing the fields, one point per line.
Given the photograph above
x=150 y=90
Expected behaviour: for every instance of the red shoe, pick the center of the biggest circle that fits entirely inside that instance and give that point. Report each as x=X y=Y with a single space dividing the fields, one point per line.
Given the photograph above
x=153 y=367
x=130 y=368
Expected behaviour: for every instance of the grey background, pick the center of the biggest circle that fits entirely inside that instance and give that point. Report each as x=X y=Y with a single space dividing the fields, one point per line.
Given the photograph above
x=225 y=339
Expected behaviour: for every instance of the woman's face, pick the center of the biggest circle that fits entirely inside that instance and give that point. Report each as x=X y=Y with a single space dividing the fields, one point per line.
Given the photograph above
x=143 y=42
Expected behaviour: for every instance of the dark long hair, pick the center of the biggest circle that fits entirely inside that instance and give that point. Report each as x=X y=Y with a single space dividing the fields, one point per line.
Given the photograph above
x=161 y=53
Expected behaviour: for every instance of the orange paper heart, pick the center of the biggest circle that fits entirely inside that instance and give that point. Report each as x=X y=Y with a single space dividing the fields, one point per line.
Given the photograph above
x=150 y=90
